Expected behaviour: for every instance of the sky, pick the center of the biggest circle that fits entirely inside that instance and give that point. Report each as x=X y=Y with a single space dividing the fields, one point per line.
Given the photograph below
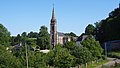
x=72 y=15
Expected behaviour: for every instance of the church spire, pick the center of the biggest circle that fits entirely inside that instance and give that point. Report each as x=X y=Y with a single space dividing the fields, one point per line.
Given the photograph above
x=53 y=30
x=53 y=14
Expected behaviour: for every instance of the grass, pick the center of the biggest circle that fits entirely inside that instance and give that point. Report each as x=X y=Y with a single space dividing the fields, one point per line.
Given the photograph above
x=114 y=54
x=95 y=64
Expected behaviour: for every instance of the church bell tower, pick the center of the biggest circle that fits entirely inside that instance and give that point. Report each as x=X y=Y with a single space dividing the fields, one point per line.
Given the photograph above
x=53 y=30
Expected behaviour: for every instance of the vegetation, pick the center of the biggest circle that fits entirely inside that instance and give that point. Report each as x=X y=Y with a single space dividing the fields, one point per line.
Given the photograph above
x=114 y=54
x=93 y=46
x=108 y=29
x=4 y=36
x=89 y=30
x=7 y=60
x=71 y=34
x=32 y=35
x=62 y=56
x=43 y=39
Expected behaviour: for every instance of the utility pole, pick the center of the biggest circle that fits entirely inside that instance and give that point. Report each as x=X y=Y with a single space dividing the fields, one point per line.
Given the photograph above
x=26 y=55
x=105 y=50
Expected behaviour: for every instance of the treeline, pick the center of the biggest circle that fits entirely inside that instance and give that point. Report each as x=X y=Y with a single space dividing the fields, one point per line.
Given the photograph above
x=107 y=29
x=63 y=56
x=40 y=40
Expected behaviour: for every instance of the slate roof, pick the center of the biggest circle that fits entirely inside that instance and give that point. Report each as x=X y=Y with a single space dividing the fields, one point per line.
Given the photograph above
x=60 y=34
x=82 y=37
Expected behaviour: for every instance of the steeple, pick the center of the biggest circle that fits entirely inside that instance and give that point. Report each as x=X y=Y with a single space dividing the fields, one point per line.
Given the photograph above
x=53 y=29
x=53 y=15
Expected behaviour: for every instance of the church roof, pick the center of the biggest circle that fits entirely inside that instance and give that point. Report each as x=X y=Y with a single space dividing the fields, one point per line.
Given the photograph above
x=60 y=34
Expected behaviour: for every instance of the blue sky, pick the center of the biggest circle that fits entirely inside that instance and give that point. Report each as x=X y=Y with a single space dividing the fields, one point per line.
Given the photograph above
x=72 y=15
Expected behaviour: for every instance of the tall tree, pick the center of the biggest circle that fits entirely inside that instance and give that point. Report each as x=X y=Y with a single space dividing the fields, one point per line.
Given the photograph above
x=32 y=34
x=7 y=60
x=93 y=46
x=24 y=38
x=89 y=29
x=4 y=36
x=60 y=57
x=108 y=29
x=82 y=54
x=71 y=34
x=43 y=39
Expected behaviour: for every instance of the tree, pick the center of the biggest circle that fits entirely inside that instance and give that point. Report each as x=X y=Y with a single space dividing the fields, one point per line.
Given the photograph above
x=108 y=29
x=4 y=36
x=71 y=34
x=82 y=54
x=40 y=60
x=89 y=30
x=70 y=45
x=7 y=60
x=43 y=39
x=60 y=57
x=24 y=34
x=20 y=54
x=32 y=34
x=93 y=46
x=15 y=40
x=24 y=38
x=12 y=41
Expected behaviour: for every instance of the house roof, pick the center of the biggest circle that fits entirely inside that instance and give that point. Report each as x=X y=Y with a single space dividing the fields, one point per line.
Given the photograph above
x=82 y=37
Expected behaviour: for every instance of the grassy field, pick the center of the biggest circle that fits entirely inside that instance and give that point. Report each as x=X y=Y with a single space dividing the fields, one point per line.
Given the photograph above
x=114 y=54
x=95 y=64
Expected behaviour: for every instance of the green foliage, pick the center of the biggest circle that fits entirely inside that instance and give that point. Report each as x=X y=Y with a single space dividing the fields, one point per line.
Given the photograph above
x=71 y=34
x=114 y=54
x=15 y=40
x=7 y=60
x=108 y=29
x=37 y=60
x=32 y=42
x=43 y=39
x=81 y=53
x=4 y=36
x=70 y=45
x=89 y=30
x=23 y=38
x=20 y=54
x=60 y=57
x=32 y=34
x=93 y=46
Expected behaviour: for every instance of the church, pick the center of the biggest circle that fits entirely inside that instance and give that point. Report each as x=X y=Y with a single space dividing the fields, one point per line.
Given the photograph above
x=55 y=36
